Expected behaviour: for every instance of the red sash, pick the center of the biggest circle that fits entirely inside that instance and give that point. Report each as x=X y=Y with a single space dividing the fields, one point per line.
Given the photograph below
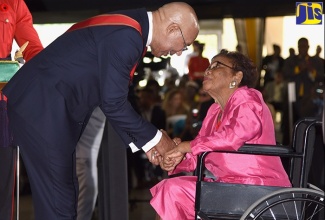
x=3 y=97
x=110 y=19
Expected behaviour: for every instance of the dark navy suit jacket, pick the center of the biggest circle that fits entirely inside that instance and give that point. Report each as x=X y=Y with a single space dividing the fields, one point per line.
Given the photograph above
x=57 y=90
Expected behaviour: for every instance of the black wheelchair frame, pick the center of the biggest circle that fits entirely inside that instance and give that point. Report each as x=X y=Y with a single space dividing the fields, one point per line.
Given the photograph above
x=216 y=200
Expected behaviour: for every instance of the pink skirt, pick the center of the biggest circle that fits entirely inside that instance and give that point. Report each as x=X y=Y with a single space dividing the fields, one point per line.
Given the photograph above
x=173 y=199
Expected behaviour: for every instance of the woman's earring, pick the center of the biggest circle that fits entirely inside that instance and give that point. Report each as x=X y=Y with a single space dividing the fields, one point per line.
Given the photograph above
x=232 y=85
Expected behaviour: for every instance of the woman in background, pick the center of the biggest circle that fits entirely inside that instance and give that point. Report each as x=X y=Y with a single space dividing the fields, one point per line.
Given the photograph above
x=176 y=111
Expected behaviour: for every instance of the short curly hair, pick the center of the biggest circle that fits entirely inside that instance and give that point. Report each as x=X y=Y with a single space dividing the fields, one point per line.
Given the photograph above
x=240 y=62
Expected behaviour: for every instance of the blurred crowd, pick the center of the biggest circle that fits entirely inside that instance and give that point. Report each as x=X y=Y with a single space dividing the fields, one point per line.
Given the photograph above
x=304 y=98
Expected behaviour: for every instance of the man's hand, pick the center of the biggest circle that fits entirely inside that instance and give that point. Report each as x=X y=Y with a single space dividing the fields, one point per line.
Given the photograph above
x=153 y=156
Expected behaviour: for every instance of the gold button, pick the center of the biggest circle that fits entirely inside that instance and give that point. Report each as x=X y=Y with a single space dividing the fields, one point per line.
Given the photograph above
x=7 y=20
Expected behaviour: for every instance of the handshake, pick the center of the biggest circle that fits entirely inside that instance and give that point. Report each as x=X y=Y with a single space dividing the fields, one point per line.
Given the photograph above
x=168 y=153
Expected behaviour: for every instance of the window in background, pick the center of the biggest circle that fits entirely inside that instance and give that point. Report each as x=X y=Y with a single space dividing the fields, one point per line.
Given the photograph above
x=47 y=33
x=285 y=32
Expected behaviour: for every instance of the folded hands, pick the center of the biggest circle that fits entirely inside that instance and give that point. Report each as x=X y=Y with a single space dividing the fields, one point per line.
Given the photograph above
x=168 y=153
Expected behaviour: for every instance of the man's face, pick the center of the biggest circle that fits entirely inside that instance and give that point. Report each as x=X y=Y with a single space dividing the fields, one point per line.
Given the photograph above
x=303 y=47
x=174 y=43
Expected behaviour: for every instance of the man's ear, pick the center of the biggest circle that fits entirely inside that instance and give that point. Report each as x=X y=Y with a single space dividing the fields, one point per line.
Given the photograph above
x=172 y=28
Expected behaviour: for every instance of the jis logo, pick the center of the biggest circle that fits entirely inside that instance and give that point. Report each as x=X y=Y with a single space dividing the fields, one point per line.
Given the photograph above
x=309 y=13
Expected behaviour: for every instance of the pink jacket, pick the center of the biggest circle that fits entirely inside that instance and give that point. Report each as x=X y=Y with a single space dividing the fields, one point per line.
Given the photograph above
x=246 y=119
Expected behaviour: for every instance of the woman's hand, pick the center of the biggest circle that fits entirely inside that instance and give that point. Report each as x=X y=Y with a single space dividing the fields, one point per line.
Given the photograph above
x=177 y=141
x=173 y=157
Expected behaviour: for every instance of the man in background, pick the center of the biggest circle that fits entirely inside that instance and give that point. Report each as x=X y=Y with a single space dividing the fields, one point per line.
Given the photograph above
x=308 y=76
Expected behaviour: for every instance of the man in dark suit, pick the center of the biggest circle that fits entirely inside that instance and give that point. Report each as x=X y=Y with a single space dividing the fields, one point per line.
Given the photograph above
x=51 y=97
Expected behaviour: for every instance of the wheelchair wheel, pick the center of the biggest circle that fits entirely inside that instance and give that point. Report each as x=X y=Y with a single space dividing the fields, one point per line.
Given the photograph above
x=289 y=203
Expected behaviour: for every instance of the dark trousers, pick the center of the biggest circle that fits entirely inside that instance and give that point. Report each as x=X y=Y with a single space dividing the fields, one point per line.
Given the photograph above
x=7 y=182
x=51 y=172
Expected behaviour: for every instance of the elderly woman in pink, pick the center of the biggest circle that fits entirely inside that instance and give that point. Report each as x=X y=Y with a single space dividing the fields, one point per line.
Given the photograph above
x=238 y=116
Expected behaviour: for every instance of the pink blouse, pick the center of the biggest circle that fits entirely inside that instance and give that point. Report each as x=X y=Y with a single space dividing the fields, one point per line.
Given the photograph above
x=245 y=119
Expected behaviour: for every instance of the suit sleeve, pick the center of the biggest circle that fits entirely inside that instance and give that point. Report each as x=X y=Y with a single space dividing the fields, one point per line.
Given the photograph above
x=117 y=56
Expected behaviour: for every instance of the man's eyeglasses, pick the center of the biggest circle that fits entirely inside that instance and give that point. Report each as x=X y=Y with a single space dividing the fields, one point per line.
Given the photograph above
x=216 y=65
x=185 y=46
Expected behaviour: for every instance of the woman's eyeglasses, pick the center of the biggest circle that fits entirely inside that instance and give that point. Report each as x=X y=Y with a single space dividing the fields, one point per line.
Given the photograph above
x=217 y=64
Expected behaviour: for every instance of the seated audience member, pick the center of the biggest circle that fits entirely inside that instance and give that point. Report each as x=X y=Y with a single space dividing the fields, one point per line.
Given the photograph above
x=205 y=101
x=275 y=91
x=153 y=85
x=191 y=94
x=196 y=116
x=176 y=110
x=238 y=116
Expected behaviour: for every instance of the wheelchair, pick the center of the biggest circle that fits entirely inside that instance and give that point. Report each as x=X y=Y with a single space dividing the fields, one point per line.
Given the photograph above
x=216 y=200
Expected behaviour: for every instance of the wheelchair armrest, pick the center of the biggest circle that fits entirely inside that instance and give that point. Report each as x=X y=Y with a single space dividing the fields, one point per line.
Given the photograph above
x=254 y=149
x=265 y=149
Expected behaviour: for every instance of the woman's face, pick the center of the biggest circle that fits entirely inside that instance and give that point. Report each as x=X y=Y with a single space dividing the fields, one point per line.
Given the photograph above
x=218 y=76
x=176 y=100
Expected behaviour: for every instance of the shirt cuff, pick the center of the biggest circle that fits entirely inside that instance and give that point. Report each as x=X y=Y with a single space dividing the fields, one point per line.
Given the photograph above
x=153 y=142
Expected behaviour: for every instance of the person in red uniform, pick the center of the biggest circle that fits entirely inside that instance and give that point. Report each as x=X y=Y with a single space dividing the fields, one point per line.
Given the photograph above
x=18 y=25
x=197 y=65
x=15 y=24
